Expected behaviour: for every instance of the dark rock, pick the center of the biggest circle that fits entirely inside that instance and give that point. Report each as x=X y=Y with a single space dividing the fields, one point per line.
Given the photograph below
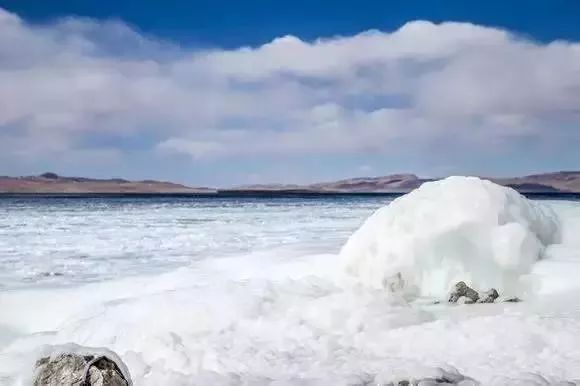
x=513 y=300
x=461 y=289
x=78 y=370
x=444 y=377
x=488 y=296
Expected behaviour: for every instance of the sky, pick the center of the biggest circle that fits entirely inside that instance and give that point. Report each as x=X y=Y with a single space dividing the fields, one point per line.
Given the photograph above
x=222 y=93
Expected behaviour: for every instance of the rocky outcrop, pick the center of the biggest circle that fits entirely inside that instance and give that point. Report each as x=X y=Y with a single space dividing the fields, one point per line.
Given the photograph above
x=462 y=293
x=74 y=369
x=488 y=296
x=443 y=378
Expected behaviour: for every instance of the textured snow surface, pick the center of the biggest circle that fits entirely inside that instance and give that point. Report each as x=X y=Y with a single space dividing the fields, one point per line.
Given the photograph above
x=271 y=317
x=459 y=228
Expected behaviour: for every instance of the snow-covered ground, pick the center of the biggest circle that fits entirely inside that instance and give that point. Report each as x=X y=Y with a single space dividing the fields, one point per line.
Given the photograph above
x=290 y=309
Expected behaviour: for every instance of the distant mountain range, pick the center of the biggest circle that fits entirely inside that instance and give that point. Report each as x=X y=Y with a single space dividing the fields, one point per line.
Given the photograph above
x=557 y=182
x=566 y=181
x=53 y=183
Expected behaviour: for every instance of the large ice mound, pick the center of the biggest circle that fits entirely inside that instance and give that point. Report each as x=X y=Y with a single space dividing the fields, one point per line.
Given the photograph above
x=459 y=228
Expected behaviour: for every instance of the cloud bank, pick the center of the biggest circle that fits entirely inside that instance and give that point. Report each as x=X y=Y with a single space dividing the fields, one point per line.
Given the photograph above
x=99 y=91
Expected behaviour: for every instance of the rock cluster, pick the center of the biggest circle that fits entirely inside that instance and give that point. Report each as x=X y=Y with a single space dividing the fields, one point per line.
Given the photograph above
x=444 y=378
x=488 y=296
x=463 y=294
x=69 y=369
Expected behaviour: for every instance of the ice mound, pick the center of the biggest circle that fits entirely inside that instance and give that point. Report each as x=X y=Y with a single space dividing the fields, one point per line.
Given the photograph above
x=459 y=228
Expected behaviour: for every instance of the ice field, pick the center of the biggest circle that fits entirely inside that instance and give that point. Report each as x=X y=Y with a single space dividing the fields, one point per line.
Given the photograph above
x=296 y=291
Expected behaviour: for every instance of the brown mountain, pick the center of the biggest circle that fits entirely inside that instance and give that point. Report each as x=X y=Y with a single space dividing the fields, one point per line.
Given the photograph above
x=391 y=183
x=53 y=183
x=565 y=181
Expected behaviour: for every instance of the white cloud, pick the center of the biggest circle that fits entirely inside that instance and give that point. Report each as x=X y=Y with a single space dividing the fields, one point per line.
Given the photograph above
x=453 y=83
x=196 y=149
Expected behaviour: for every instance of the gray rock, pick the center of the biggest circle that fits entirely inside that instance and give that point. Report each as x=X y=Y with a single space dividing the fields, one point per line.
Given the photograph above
x=488 y=296
x=68 y=369
x=444 y=378
x=461 y=289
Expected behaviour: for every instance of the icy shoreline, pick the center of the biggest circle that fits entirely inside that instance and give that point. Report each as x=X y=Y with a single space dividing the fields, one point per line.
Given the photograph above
x=264 y=319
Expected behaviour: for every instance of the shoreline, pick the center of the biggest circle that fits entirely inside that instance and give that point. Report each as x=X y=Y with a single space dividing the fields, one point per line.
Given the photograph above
x=252 y=194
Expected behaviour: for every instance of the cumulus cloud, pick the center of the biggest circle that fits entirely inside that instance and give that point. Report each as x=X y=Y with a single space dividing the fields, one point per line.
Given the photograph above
x=448 y=85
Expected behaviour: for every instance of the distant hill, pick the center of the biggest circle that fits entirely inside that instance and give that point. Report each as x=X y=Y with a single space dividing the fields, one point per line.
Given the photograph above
x=390 y=183
x=53 y=183
x=565 y=181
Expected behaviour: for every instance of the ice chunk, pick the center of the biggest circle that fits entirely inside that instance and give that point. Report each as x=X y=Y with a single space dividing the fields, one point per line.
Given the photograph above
x=457 y=229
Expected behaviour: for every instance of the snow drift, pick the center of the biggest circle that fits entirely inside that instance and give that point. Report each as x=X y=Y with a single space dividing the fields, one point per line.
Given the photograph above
x=459 y=228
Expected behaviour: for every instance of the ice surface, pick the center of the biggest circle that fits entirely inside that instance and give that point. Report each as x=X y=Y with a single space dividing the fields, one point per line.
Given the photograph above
x=270 y=316
x=59 y=241
x=456 y=229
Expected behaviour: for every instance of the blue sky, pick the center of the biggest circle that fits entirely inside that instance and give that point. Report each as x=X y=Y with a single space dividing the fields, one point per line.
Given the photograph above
x=226 y=92
x=229 y=24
